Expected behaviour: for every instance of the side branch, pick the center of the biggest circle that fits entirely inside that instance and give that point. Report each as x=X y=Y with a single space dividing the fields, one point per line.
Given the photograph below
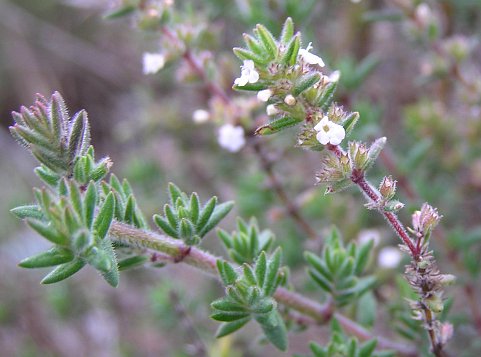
x=206 y=262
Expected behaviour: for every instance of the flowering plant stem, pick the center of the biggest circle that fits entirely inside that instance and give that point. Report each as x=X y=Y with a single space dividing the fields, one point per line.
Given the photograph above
x=177 y=251
x=359 y=179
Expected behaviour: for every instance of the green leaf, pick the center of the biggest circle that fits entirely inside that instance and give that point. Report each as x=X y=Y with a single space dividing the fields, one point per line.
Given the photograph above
x=327 y=96
x=120 y=12
x=104 y=218
x=111 y=276
x=350 y=122
x=263 y=306
x=194 y=207
x=261 y=268
x=132 y=262
x=206 y=213
x=186 y=229
x=47 y=231
x=53 y=256
x=79 y=139
x=244 y=55
x=226 y=272
x=362 y=256
x=254 y=45
x=287 y=31
x=270 y=282
x=253 y=87
x=367 y=348
x=226 y=305
x=274 y=329
x=99 y=260
x=305 y=82
x=174 y=193
x=277 y=125
x=219 y=213
x=165 y=226
x=28 y=211
x=129 y=215
x=230 y=327
x=267 y=40
x=228 y=316
x=90 y=203
x=48 y=176
x=63 y=271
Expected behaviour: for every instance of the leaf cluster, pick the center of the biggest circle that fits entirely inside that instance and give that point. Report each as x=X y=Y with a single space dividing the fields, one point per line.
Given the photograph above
x=337 y=271
x=185 y=218
x=249 y=291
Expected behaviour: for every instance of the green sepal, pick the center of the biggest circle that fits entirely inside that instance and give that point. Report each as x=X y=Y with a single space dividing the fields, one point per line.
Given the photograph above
x=104 y=218
x=277 y=125
x=53 y=256
x=305 y=82
x=374 y=151
x=28 y=211
x=63 y=271
x=229 y=327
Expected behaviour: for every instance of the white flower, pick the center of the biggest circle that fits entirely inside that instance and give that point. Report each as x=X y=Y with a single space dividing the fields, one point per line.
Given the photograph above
x=200 y=116
x=423 y=14
x=272 y=110
x=231 y=137
x=389 y=257
x=264 y=95
x=153 y=62
x=356 y=1
x=248 y=74
x=310 y=57
x=329 y=132
x=290 y=100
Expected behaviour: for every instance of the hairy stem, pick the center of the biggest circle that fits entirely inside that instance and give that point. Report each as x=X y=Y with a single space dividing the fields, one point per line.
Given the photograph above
x=206 y=262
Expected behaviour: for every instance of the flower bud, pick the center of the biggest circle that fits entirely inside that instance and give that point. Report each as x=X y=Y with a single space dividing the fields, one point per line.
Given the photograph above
x=272 y=110
x=435 y=304
x=290 y=100
x=264 y=95
x=387 y=188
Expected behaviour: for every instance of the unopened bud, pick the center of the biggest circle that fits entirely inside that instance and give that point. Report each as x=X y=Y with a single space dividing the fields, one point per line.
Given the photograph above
x=435 y=304
x=264 y=95
x=272 y=110
x=290 y=100
x=387 y=188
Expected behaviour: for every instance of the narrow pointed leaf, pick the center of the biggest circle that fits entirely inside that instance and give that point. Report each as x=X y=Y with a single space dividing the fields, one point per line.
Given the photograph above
x=104 y=218
x=47 y=231
x=63 y=271
x=51 y=257
x=287 y=31
x=28 y=211
x=219 y=213
x=206 y=213
x=261 y=268
x=277 y=125
x=165 y=226
x=229 y=327
x=305 y=82
x=267 y=40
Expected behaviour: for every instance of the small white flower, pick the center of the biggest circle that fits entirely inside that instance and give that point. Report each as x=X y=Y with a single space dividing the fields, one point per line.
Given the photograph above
x=389 y=257
x=153 y=62
x=264 y=95
x=329 y=132
x=231 y=137
x=290 y=100
x=272 y=110
x=200 y=116
x=310 y=57
x=356 y=1
x=248 y=74
x=423 y=14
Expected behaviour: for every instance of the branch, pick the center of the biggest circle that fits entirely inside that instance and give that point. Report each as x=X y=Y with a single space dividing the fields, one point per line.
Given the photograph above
x=206 y=262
